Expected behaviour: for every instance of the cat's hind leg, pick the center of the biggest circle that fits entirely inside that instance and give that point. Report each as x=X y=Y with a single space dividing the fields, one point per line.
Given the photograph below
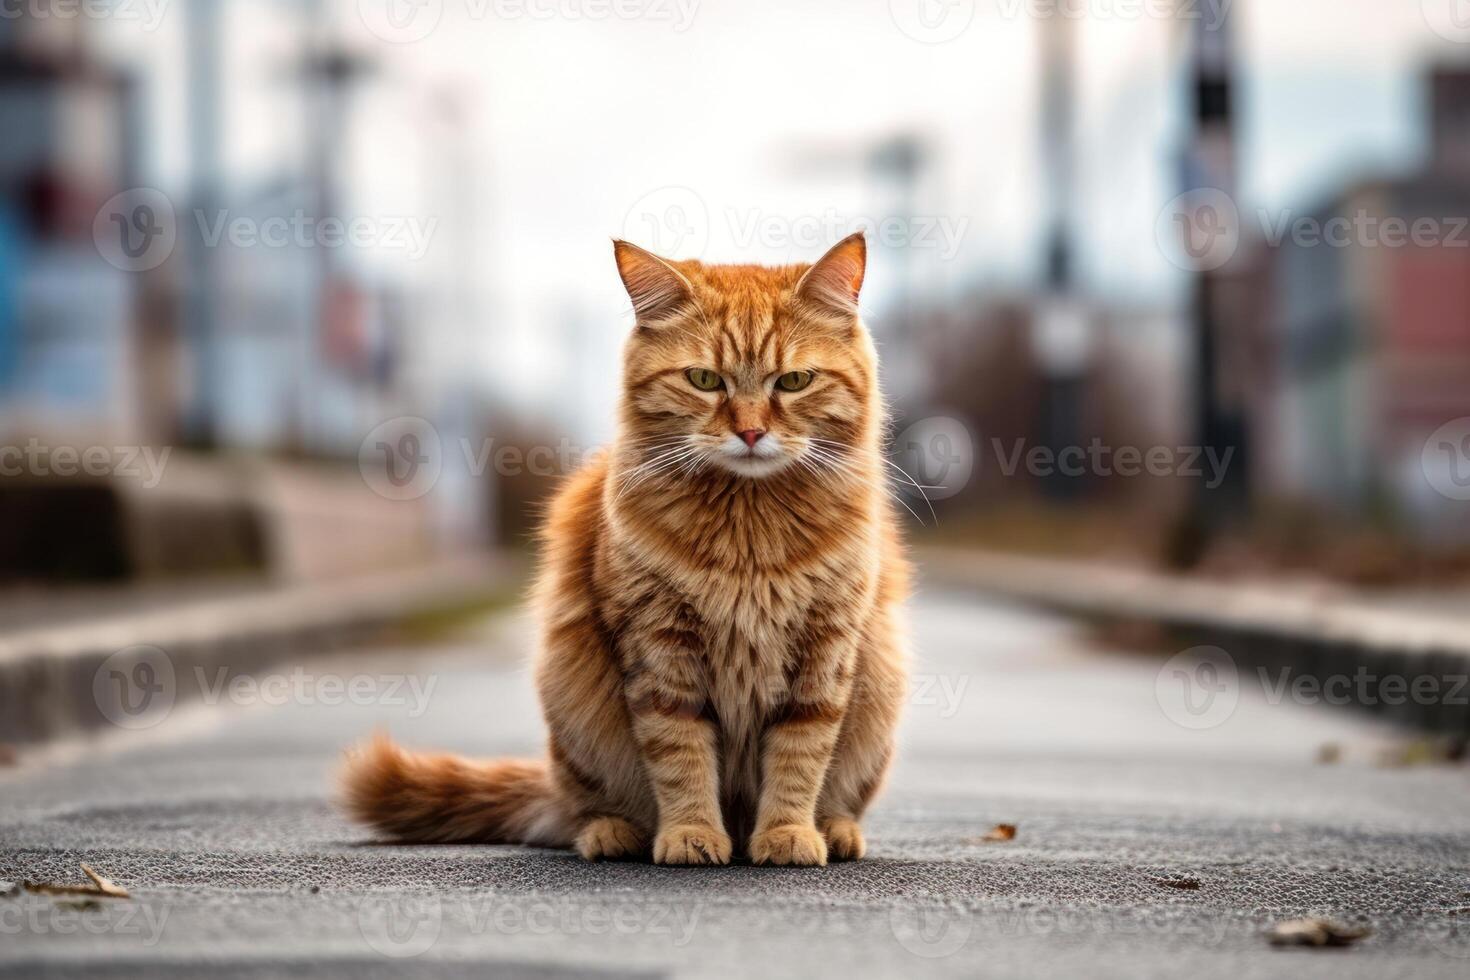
x=610 y=839
x=864 y=750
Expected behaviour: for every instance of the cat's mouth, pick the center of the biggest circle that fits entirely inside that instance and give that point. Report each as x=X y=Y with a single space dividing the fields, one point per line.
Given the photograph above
x=764 y=458
x=753 y=466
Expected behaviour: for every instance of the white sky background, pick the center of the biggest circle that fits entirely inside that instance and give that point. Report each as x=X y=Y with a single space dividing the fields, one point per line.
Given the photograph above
x=574 y=120
x=582 y=118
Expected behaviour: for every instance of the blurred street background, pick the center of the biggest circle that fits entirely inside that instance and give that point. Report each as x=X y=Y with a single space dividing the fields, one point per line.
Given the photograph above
x=1182 y=283
x=306 y=306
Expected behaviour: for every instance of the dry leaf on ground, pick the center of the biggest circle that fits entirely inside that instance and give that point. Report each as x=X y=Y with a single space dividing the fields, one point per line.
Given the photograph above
x=1315 y=931
x=1000 y=832
x=1182 y=883
x=98 y=886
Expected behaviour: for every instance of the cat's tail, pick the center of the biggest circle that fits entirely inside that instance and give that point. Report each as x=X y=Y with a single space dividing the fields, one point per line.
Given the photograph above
x=446 y=799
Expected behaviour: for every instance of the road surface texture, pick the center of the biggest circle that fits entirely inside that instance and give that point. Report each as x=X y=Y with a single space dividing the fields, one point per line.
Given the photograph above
x=1155 y=837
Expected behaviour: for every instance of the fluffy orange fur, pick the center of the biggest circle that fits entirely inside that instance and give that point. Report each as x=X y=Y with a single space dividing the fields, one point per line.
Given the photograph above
x=721 y=664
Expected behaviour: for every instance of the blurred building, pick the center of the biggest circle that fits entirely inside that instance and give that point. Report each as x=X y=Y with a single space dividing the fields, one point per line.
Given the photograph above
x=68 y=353
x=286 y=347
x=1369 y=333
x=1053 y=366
x=991 y=364
x=294 y=346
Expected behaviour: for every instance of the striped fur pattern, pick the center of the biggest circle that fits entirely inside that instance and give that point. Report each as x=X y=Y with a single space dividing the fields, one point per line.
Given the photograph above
x=721 y=667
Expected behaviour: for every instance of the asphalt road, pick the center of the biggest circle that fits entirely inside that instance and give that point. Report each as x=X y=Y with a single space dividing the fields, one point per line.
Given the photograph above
x=1145 y=846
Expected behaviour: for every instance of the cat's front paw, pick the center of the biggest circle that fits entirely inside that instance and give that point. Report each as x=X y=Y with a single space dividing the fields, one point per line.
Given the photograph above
x=844 y=839
x=691 y=843
x=789 y=844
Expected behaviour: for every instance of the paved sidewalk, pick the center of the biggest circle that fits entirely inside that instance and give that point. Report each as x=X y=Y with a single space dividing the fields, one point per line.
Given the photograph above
x=237 y=859
x=1362 y=643
x=1415 y=624
x=50 y=670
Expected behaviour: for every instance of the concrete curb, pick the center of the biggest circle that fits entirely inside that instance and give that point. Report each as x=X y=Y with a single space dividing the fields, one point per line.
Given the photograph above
x=1316 y=634
x=49 y=676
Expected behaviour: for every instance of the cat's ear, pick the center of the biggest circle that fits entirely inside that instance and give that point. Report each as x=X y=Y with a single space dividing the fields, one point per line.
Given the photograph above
x=835 y=281
x=656 y=288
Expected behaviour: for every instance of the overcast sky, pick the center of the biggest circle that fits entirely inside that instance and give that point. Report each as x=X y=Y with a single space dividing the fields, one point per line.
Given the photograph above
x=729 y=130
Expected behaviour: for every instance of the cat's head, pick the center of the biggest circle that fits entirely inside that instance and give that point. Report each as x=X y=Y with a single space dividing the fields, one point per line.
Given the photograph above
x=747 y=368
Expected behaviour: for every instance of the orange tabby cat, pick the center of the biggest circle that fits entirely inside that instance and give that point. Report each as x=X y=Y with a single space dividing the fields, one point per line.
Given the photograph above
x=721 y=666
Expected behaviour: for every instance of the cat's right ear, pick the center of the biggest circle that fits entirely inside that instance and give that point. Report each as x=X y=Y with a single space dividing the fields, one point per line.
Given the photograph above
x=657 y=289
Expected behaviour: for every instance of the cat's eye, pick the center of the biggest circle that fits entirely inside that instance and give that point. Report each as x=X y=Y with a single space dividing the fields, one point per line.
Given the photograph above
x=794 y=380
x=704 y=379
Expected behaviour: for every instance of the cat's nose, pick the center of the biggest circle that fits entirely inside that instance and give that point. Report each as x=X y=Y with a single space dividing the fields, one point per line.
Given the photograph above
x=752 y=436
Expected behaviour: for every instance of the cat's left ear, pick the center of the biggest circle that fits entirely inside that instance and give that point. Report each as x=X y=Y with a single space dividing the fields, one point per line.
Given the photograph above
x=657 y=289
x=835 y=281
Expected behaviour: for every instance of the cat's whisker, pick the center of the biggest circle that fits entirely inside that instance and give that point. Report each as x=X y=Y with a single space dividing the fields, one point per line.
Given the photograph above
x=664 y=440
x=673 y=461
x=656 y=444
x=694 y=464
x=833 y=464
x=810 y=466
x=904 y=504
x=654 y=460
x=836 y=459
x=915 y=484
x=659 y=462
x=835 y=456
x=645 y=473
x=651 y=455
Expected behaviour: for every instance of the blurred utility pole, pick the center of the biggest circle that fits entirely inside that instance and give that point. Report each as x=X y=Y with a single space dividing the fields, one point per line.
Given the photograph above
x=1058 y=57
x=330 y=73
x=1061 y=332
x=901 y=160
x=1210 y=164
x=895 y=167
x=205 y=111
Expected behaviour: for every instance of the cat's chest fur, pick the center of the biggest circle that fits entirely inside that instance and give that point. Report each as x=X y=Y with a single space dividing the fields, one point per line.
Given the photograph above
x=750 y=651
x=754 y=632
x=753 y=614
